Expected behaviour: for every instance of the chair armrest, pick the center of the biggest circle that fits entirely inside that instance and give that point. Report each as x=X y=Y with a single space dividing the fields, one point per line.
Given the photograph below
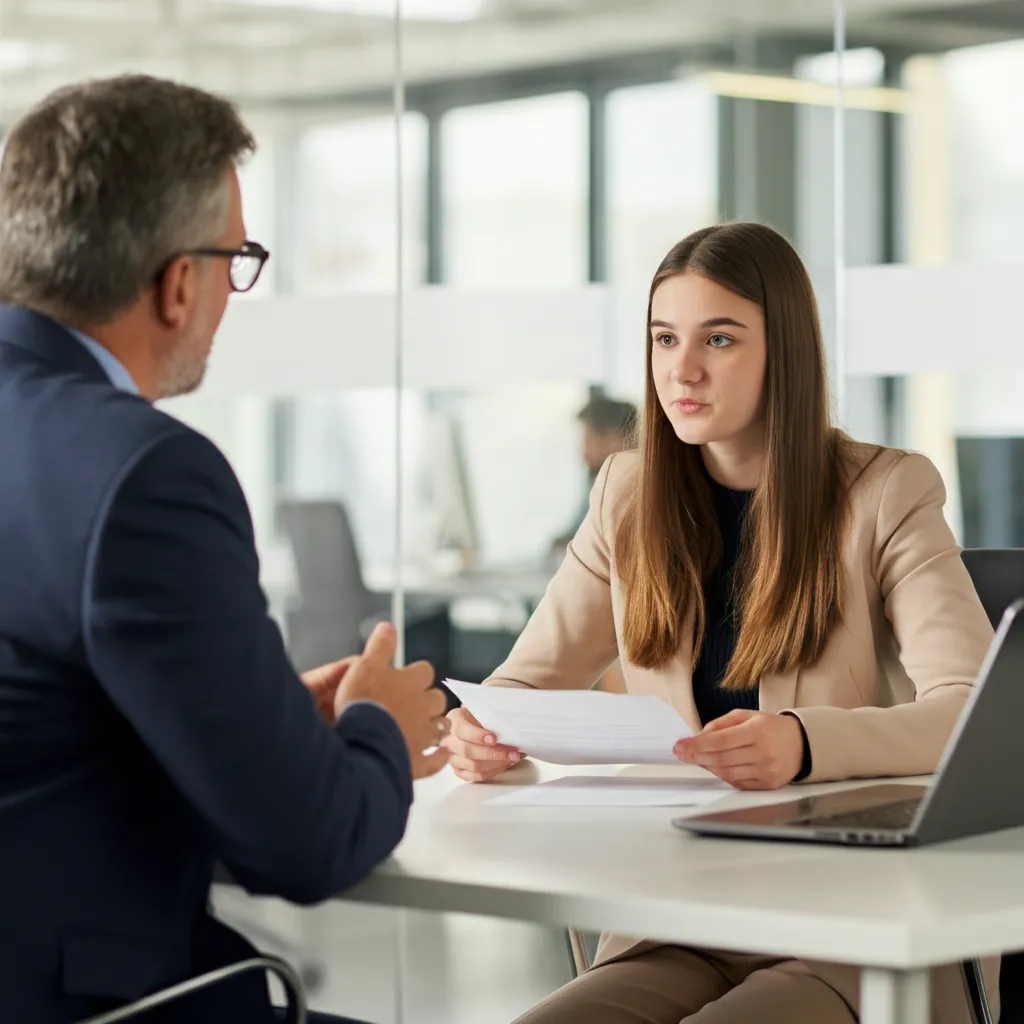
x=292 y=987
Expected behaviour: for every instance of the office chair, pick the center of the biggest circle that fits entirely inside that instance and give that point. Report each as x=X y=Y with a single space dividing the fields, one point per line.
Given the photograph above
x=998 y=577
x=336 y=611
x=296 y=1000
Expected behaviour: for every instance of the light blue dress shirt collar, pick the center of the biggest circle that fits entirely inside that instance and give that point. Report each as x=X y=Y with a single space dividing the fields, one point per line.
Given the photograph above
x=112 y=366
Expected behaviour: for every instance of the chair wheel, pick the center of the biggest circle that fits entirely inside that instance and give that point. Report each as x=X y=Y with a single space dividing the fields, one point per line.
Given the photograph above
x=312 y=977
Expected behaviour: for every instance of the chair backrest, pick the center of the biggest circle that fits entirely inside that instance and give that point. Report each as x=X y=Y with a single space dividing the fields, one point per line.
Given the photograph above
x=326 y=557
x=998 y=577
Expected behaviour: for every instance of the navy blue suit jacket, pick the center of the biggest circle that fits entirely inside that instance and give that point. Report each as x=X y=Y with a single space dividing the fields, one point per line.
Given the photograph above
x=150 y=720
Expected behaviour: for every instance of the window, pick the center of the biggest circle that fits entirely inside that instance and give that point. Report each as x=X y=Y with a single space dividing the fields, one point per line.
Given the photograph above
x=515 y=193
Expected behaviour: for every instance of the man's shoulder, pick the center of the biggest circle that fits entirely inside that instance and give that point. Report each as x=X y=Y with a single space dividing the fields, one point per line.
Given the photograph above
x=76 y=440
x=116 y=431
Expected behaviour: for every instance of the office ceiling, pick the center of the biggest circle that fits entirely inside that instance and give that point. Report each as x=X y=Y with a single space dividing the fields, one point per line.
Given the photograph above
x=263 y=51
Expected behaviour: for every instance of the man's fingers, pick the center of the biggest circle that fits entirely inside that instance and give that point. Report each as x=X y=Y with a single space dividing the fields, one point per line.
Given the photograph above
x=421 y=674
x=380 y=648
x=431 y=733
x=328 y=674
x=430 y=764
x=436 y=703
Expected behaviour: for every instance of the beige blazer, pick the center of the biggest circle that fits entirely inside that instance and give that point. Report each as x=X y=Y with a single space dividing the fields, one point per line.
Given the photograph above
x=885 y=695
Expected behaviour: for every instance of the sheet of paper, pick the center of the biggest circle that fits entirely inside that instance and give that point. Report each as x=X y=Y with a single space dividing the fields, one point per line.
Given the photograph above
x=577 y=726
x=605 y=791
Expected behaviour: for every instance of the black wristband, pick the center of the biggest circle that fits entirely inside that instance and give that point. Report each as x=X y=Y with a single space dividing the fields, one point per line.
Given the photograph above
x=805 y=764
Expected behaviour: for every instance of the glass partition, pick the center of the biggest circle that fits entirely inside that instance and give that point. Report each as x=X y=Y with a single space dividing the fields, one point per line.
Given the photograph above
x=953 y=207
x=456 y=277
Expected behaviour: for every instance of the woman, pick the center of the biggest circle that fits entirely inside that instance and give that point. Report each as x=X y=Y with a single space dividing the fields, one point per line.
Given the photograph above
x=795 y=595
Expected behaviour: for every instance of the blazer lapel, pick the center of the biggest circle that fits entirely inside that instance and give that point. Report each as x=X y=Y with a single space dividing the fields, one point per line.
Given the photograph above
x=677 y=681
x=777 y=691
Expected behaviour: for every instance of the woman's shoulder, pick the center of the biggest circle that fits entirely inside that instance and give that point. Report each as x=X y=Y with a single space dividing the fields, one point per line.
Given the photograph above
x=876 y=474
x=621 y=474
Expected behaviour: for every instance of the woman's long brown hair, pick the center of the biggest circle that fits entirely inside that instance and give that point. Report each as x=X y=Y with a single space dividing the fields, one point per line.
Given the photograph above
x=789 y=575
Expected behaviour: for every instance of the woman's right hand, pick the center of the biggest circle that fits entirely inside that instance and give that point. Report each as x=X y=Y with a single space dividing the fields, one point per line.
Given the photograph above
x=476 y=754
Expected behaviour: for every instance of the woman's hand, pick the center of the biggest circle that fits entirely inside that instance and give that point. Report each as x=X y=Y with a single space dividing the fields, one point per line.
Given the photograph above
x=476 y=754
x=748 y=749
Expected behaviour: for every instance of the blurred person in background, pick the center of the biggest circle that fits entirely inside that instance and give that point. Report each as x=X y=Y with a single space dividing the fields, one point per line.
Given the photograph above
x=608 y=426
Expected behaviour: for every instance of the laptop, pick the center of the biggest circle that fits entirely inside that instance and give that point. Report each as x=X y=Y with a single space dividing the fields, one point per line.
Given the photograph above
x=978 y=787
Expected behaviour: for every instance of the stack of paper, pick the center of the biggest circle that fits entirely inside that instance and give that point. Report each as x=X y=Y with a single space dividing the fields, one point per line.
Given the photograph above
x=577 y=726
x=615 y=791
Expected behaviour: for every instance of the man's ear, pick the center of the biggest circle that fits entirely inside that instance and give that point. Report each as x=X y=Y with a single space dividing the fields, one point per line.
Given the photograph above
x=175 y=292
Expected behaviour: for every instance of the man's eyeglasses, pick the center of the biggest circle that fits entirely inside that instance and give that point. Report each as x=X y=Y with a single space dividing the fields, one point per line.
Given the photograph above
x=247 y=263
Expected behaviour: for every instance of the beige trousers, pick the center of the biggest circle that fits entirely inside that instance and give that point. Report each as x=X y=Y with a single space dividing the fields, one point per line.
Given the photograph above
x=670 y=984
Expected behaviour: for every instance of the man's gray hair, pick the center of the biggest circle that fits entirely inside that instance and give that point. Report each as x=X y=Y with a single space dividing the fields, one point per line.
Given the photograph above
x=102 y=183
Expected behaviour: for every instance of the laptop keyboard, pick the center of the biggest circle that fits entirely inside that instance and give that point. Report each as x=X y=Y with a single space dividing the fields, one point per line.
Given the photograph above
x=895 y=816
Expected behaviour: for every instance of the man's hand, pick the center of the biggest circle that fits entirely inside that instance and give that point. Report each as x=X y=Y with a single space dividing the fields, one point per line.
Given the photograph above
x=748 y=749
x=323 y=684
x=405 y=692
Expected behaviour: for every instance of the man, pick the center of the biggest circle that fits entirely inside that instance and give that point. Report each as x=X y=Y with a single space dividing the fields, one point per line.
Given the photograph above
x=607 y=427
x=150 y=721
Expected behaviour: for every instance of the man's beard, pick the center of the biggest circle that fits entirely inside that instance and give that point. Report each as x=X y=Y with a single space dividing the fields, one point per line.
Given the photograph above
x=185 y=367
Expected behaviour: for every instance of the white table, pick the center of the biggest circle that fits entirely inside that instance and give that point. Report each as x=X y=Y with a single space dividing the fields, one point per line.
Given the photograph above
x=894 y=913
x=524 y=583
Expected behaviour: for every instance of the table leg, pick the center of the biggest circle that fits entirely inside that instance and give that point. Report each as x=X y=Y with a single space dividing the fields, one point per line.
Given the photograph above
x=401 y=948
x=895 y=997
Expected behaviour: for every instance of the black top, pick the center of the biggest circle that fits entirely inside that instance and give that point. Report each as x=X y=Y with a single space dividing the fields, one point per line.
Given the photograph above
x=720 y=630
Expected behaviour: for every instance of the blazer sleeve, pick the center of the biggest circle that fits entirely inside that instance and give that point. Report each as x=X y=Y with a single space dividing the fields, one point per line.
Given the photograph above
x=177 y=634
x=570 y=638
x=941 y=630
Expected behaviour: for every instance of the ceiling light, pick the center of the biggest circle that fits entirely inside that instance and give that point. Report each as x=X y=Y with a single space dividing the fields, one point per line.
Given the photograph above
x=779 y=89
x=412 y=10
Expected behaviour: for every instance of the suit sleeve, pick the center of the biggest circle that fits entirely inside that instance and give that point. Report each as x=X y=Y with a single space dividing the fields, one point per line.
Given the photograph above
x=939 y=625
x=178 y=635
x=570 y=638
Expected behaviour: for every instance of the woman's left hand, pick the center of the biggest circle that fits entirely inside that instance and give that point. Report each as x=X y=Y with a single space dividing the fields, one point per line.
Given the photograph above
x=748 y=749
